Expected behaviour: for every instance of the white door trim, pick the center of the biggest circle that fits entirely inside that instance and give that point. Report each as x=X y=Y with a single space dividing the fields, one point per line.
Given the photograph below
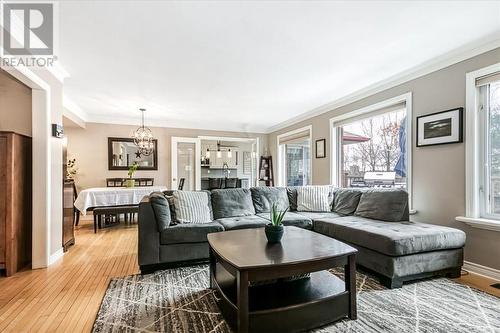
x=255 y=140
x=197 y=164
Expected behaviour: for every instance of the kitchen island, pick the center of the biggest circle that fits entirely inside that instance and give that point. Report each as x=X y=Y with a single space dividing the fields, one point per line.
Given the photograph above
x=241 y=182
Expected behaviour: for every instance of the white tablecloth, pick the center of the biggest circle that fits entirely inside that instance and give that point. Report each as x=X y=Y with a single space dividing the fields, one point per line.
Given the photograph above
x=113 y=196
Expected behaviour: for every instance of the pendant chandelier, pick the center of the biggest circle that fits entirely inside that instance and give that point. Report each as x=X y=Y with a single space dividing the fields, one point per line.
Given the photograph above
x=143 y=138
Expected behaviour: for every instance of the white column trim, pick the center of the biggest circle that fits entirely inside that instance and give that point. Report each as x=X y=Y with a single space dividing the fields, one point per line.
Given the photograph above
x=41 y=154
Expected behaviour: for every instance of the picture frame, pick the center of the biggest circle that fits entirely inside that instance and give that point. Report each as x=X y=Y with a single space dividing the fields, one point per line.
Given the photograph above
x=439 y=128
x=320 y=148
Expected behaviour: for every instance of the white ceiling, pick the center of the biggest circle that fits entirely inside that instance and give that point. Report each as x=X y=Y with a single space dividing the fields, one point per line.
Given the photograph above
x=249 y=66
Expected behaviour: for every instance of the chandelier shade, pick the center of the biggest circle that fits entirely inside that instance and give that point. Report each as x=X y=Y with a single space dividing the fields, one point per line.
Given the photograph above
x=143 y=138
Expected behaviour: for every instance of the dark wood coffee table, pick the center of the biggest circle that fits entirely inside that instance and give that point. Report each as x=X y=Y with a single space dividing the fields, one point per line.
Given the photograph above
x=240 y=258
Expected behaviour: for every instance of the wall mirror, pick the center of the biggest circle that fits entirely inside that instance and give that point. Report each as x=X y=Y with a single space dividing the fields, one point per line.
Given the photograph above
x=122 y=153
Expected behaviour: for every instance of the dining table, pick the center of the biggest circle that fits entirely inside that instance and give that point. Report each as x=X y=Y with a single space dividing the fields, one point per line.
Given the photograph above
x=94 y=197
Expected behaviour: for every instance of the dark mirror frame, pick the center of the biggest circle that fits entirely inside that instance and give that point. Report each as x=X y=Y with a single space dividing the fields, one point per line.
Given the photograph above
x=110 y=155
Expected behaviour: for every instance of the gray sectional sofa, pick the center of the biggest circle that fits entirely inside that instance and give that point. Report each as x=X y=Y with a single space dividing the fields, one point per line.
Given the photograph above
x=375 y=221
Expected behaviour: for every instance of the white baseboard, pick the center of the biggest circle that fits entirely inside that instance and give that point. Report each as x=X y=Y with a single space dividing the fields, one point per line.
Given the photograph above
x=482 y=270
x=56 y=256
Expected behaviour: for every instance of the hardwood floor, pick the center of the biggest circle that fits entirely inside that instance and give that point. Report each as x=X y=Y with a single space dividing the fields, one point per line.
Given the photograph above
x=66 y=296
x=479 y=282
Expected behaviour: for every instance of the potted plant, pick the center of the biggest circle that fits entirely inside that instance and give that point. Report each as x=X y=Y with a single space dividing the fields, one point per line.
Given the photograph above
x=274 y=230
x=131 y=170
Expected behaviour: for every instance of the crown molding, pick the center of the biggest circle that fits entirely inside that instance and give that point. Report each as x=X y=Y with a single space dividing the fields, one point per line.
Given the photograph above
x=73 y=112
x=184 y=124
x=483 y=45
x=58 y=71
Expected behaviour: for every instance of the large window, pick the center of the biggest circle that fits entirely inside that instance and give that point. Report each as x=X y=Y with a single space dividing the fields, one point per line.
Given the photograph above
x=489 y=143
x=482 y=158
x=294 y=158
x=370 y=146
x=372 y=153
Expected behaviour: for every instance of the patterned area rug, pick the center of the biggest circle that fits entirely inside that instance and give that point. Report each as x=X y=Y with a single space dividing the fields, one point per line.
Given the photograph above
x=178 y=300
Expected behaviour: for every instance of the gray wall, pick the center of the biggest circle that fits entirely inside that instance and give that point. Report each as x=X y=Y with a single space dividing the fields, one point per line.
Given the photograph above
x=438 y=171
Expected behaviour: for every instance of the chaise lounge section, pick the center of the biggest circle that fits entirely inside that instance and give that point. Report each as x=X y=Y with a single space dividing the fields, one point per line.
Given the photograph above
x=375 y=221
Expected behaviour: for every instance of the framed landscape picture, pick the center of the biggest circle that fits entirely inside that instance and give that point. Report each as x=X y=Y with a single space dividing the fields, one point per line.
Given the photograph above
x=321 y=148
x=440 y=128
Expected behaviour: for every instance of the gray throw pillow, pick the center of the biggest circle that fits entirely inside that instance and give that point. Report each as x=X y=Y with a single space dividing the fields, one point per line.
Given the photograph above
x=384 y=204
x=232 y=203
x=291 y=192
x=346 y=200
x=161 y=210
x=171 y=205
x=264 y=197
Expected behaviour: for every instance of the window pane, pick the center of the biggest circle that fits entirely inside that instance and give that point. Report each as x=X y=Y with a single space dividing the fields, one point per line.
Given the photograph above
x=297 y=163
x=373 y=151
x=494 y=148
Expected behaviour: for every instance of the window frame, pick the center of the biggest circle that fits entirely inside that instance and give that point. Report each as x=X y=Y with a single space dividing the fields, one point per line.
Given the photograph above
x=475 y=154
x=281 y=181
x=336 y=140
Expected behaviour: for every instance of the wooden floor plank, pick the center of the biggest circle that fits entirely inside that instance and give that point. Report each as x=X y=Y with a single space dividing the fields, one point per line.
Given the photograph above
x=66 y=296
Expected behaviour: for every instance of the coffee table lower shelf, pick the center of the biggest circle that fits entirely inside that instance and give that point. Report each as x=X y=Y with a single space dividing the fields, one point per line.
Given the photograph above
x=291 y=306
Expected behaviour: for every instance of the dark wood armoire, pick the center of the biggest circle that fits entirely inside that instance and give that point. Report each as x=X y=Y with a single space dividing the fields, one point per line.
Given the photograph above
x=15 y=202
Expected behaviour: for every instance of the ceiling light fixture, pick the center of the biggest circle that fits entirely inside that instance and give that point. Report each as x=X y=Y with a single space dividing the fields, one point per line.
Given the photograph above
x=219 y=153
x=143 y=138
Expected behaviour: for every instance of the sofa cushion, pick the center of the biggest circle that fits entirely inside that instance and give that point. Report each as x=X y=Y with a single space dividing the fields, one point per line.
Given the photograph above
x=232 y=203
x=384 y=204
x=171 y=205
x=188 y=233
x=161 y=210
x=242 y=222
x=264 y=197
x=391 y=238
x=314 y=198
x=346 y=200
x=319 y=215
x=192 y=206
x=291 y=192
x=291 y=219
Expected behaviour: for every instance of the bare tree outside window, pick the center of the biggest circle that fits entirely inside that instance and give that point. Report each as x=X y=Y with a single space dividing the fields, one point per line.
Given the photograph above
x=372 y=145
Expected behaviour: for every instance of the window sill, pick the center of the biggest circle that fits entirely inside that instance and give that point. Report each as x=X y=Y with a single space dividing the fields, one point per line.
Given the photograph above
x=476 y=222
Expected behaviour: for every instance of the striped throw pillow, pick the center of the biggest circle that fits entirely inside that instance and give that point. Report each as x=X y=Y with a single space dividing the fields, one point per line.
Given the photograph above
x=192 y=207
x=314 y=198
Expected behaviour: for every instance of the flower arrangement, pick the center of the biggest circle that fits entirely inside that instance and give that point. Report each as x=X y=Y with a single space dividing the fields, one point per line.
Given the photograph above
x=71 y=169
